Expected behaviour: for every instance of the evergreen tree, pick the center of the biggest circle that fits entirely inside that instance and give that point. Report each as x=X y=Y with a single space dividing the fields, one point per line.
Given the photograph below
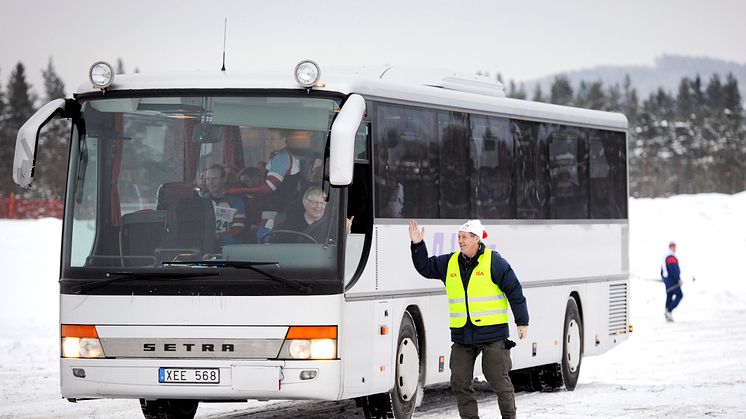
x=2 y=109
x=561 y=91
x=538 y=95
x=684 y=126
x=19 y=107
x=7 y=145
x=53 y=143
x=614 y=99
x=596 y=98
x=581 y=97
x=53 y=85
x=120 y=66
x=685 y=108
x=630 y=102
x=729 y=122
x=655 y=148
x=715 y=102
x=515 y=91
x=732 y=103
x=20 y=98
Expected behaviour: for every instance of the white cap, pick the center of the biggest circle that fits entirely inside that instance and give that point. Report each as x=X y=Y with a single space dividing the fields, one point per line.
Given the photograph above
x=475 y=227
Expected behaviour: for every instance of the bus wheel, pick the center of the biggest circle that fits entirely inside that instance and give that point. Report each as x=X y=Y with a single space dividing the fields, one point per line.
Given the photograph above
x=572 y=348
x=401 y=401
x=169 y=408
x=407 y=385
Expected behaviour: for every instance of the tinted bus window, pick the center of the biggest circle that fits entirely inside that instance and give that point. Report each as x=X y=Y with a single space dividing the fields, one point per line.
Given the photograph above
x=407 y=163
x=608 y=174
x=455 y=170
x=568 y=174
x=492 y=161
x=531 y=169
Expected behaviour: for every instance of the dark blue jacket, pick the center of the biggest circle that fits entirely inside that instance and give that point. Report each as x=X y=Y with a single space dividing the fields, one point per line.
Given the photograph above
x=502 y=274
x=672 y=274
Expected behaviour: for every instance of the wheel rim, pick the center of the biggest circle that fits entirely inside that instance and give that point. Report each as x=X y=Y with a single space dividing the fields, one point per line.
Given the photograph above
x=572 y=345
x=407 y=369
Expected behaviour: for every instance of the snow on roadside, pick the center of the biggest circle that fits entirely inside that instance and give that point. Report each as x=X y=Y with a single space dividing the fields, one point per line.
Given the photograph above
x=29 y=256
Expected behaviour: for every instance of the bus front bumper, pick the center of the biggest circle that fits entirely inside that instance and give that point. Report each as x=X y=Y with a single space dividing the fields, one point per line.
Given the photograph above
x=238 y=380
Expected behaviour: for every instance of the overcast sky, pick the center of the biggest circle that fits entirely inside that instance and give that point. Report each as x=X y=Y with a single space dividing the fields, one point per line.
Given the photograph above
x=522 y=39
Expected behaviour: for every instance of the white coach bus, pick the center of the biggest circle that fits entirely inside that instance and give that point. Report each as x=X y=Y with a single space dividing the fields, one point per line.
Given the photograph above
x=157 y=305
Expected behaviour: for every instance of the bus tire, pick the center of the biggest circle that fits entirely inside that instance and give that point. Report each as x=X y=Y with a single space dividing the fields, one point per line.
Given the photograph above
x=169 y=408
x=572 y=347
x=401 y=401
x=407 y=378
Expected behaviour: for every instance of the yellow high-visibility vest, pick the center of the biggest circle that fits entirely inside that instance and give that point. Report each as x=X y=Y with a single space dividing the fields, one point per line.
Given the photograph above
x=487 y=304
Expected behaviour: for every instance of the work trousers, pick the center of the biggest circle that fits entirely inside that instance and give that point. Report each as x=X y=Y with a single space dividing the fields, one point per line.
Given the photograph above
x=495 y=366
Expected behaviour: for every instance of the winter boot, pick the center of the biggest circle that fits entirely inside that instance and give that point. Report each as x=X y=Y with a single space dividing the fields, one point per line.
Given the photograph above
x=669 y=317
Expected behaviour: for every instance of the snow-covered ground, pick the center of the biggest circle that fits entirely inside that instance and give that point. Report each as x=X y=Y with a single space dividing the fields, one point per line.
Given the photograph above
x=694 y=367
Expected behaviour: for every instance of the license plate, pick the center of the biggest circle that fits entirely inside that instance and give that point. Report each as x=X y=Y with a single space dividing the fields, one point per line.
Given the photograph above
x=189 y=375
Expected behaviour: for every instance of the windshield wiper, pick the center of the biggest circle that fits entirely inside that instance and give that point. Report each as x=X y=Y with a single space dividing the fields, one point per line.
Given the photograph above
x=123 y=276
x=252 y=266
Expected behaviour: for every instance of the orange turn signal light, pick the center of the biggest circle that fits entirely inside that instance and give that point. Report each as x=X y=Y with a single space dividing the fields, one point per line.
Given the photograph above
x=79 y=331
x=312 y=332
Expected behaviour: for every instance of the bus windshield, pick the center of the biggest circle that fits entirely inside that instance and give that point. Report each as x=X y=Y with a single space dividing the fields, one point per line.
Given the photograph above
x=159 y=182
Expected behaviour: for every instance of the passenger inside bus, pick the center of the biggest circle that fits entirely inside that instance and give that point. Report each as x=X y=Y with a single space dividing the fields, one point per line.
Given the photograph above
x=230 y=212
x=306 y=221
x=309 y=219
x=283 y=178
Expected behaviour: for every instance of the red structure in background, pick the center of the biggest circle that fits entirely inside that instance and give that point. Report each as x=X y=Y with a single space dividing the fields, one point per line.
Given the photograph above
x=14 y=207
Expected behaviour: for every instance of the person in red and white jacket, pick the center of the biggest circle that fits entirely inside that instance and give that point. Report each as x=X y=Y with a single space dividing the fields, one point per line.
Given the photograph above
x=282 y=182
x=671 y=275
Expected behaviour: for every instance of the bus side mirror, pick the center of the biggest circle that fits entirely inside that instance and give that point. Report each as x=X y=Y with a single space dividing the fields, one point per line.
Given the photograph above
x=342 y=147
x=27 y=138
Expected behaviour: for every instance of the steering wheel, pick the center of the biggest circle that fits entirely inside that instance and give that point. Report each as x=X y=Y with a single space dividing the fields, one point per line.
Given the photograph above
x=265 y=238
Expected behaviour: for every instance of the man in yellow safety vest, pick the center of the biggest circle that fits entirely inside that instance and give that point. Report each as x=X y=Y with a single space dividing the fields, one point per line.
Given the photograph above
x=479 y=284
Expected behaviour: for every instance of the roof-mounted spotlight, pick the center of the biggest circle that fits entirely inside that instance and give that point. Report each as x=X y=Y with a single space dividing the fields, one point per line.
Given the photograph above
x=307 y=73
x=101 y=75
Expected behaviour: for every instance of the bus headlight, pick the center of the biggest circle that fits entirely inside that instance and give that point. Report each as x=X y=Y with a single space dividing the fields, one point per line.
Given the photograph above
x=323 y=348
x=307 y=73
x=300 y=349
x=312 y=349
x=82 y=348
x=80 y=341
x=101 y=75
x=310 y=342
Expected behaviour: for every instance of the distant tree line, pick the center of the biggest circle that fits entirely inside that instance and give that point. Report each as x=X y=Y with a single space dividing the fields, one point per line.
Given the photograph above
x=693 y=141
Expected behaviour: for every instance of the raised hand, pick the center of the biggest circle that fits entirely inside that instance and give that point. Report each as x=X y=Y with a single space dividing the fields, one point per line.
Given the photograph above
x=415 y=232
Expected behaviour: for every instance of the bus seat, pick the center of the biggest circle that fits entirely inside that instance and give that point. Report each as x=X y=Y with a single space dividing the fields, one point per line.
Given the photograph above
x=190 y=229
x=141 y=233
x=172 y=192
